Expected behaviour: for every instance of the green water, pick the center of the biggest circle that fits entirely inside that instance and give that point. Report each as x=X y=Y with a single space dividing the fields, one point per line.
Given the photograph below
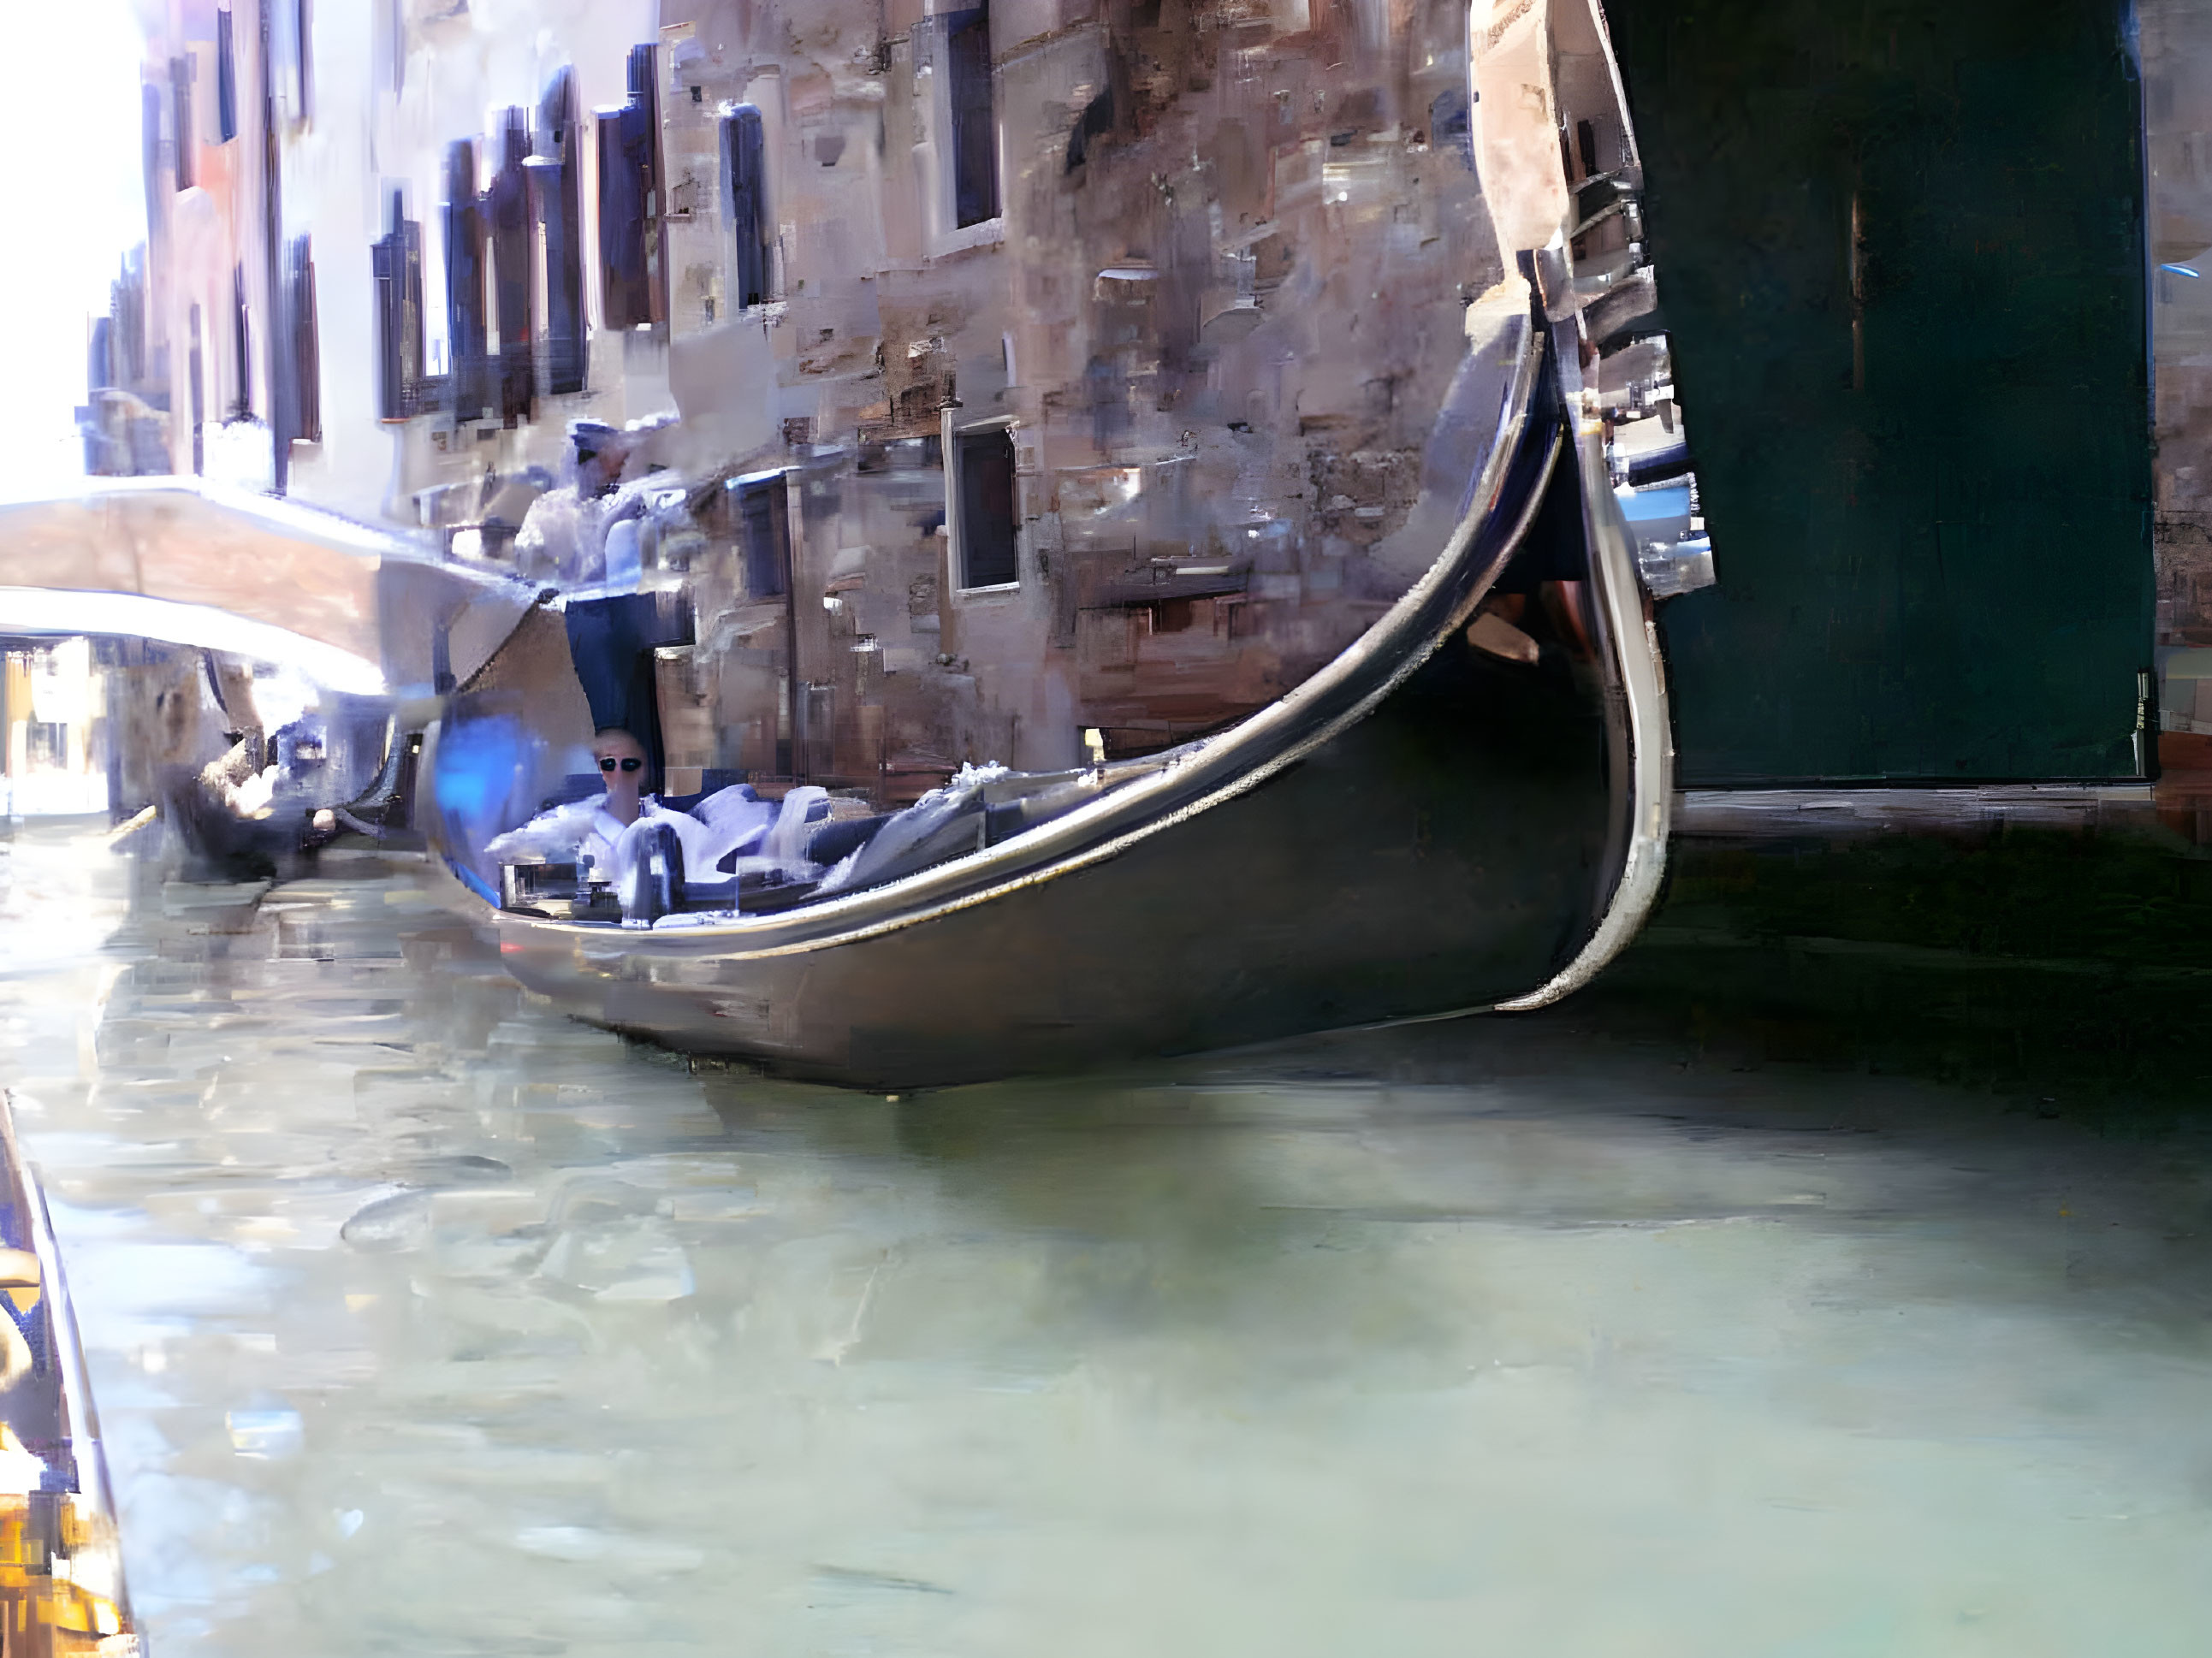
x=423 y=1320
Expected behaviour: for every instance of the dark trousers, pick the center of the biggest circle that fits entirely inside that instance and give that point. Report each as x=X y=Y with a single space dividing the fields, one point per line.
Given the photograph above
x=612 y=642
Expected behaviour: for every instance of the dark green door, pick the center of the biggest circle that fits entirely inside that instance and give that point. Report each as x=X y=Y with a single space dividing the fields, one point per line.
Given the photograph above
x=1926 y=465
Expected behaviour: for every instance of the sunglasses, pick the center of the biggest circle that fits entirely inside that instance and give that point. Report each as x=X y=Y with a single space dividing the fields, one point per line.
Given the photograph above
x=610 y=762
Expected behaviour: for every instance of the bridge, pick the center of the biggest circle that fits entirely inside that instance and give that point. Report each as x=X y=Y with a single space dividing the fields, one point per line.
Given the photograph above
x=356 y=608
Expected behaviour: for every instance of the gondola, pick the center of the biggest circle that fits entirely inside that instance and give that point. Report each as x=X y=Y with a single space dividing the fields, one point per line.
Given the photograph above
x=194 y=583
x=61 y=1579
x=1465 y=808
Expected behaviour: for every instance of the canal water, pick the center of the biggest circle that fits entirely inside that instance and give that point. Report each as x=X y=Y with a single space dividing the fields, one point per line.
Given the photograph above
x=424 y=1321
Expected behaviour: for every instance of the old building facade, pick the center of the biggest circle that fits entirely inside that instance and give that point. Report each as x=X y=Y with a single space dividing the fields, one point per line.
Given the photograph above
x=1039 y=378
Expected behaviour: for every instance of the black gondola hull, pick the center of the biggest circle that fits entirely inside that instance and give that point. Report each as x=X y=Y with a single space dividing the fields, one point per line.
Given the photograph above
x=1454 y=848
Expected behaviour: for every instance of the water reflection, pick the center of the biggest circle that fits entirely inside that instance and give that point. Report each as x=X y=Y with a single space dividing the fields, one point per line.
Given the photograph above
x=422 y=1319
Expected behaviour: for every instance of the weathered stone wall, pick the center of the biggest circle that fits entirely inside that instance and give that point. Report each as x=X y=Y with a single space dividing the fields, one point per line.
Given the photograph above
x=2177 y=66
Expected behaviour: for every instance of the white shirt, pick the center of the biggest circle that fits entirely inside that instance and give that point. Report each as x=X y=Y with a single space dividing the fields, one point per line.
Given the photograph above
x=612 y=845
x=732 y=822
x=563 y=536
x=585 y=829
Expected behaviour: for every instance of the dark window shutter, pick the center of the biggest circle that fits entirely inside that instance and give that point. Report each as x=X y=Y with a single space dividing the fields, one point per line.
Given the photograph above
x=622 y=272
x=396 y=259
x=241 y=341
x=226 y=77
x=387 y=257
x=470 y=389
x=641 y=150
x=306 y=345
x=975 y=127
x=152 y=174
x=181 y=114
x=303 y=58
x=195 y=367
x=555 y=175
x=745 y=152
x=632 y=293
x=507 y=210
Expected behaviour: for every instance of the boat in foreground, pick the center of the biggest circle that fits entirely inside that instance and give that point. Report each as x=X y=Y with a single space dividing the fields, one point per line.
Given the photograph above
x=61 y=1564
x=1463 y=808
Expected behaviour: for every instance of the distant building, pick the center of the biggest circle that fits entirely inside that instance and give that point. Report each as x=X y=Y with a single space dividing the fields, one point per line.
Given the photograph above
x=125 y=419
x=57 y=752
x=2176 y=46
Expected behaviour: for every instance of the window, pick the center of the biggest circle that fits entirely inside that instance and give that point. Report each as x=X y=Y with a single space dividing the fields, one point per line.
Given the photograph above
x=46 y=742
x=506 y=211
x=633 y=289
x=181 y=114
x=465 y=283
x=307 y=347
x=288 y=32
x=397 y=258
x=555 y=173
x=303 y=58
x=226 y=76
x=241 y=341
x=763 y=517
x=127 y=305
x=975 y=130
x=150 y=169
x=197 y=368
x=392 y=39
x=745 y=164
x=100 y=359
x=986 y=543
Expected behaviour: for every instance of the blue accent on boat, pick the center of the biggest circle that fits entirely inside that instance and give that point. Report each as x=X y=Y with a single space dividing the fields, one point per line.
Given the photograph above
x=474 y=881
x=476 y=765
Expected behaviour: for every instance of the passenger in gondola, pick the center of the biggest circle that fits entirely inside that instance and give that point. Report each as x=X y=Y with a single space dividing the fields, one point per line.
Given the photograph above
x=612 y=829
x=622 y=764
x=602 y=829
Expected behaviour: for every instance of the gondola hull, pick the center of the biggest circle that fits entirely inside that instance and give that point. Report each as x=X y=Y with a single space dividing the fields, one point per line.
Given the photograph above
x=1427 y=829
x=61 y=1579
x=1448 y=852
